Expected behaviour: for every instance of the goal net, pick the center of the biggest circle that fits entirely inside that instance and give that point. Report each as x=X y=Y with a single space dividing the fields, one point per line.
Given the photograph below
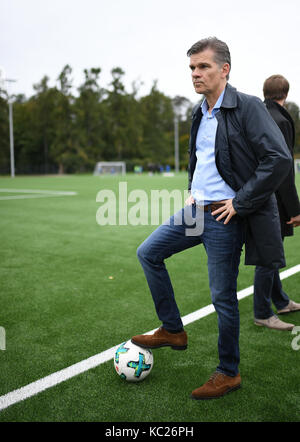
x=110 y=167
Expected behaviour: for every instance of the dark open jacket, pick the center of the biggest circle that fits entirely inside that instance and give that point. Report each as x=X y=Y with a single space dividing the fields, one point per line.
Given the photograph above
x=253 y=159
x=286 y=194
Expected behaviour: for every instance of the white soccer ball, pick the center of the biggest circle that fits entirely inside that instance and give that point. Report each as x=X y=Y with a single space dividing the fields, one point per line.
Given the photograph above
x=133 y=363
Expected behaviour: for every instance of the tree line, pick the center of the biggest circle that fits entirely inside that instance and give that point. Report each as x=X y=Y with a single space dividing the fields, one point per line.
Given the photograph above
x=56 y=131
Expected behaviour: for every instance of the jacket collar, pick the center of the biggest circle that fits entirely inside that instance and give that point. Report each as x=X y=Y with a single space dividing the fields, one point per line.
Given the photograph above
x=273 y=104
x=229 y=101
x=230 y=97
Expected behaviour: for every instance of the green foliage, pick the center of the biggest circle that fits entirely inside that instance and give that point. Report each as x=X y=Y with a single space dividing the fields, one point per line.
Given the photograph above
x=157 y=125
x=4 y=136
x=295 y=113
x=58 y=131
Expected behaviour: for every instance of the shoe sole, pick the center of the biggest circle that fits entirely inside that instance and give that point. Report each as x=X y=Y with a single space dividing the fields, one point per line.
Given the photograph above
x=204 y=398
x=289 y=311
x=261 y=325
x=152 y=347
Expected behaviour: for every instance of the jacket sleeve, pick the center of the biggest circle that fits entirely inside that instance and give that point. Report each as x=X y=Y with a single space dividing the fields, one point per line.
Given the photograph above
x=274 y=160
x=288 y=195
x=287 y=192
x=194 y=128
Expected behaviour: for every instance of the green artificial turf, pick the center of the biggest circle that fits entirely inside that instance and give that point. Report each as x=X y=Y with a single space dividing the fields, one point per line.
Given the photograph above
x=70 y=289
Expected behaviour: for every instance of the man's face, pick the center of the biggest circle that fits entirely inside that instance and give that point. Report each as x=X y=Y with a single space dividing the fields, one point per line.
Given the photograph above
x=207 y=76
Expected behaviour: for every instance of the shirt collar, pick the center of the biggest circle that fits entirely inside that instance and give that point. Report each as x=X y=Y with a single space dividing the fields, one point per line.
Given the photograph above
x=204 y=106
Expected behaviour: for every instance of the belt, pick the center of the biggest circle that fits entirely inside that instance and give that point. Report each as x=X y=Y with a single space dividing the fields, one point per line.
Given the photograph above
x=212 y=206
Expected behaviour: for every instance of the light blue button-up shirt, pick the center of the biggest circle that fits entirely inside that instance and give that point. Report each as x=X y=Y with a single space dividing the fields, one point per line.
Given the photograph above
x=207 y=184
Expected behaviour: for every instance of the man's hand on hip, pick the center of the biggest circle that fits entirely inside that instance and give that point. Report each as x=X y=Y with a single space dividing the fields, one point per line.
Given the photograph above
x=226 y=210
x=189 y=201
x=295 y=221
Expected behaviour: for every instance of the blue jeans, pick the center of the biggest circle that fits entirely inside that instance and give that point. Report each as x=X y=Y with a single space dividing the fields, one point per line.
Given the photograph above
x=267 y=288
x=223 y=245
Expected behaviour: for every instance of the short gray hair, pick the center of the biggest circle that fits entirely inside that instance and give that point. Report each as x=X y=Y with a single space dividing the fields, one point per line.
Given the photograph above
x=221 y=50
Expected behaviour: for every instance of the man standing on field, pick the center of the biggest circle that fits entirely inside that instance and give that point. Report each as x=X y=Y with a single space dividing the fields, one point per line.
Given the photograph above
x=238 y=158
x=267 y=284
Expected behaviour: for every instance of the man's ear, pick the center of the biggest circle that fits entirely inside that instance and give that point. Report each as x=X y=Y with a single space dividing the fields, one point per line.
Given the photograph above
x=225 y=70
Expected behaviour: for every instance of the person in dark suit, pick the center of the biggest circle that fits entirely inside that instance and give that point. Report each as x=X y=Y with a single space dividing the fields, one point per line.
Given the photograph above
x=267 y=284
x=238 y=158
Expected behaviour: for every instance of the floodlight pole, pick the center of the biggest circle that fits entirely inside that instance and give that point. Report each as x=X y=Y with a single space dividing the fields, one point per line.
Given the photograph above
x=176 y=143
x=11 y=131
x=11 y=140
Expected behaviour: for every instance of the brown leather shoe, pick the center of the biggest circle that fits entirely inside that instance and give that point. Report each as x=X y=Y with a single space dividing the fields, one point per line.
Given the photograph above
x=218 y=385
x=162 y=338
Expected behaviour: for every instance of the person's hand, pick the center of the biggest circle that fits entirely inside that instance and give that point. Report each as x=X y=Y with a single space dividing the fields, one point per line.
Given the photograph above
x=295 y=220
x=226 y=210
x=189 y=201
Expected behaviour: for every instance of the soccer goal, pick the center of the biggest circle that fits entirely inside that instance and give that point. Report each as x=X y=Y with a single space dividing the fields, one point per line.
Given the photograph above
x=110 y=167
x=297 y=166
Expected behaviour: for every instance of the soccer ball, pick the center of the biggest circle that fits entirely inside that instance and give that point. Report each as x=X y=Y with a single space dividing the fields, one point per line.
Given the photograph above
x=133 y=363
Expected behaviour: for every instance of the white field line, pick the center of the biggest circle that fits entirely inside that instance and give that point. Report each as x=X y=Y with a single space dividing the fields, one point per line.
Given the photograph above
x=80 y=367
x=33 y=193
